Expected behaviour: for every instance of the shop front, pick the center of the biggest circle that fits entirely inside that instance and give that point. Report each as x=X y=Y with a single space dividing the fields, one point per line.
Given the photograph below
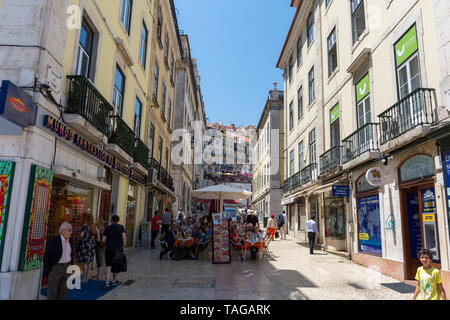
x=419 y=214
x=335 y=222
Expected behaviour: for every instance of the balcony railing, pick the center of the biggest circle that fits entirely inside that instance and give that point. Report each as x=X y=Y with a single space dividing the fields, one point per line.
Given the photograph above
x=84 y=99
x=287 y=185
x=414 y=110
x=122 y=135
x=330 y=159
x=141 y=153
x=162 y=174
x=296 y=180
x=309 y=173
x=361 y=141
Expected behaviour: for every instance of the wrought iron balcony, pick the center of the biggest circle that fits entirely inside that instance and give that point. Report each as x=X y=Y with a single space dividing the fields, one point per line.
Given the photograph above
x=162 y=175
x=141 y=153
x=122 y=135
x=362 y=140
x=84 y=99
x=309 y=174
x=287 y=185
x=296 y=180
x=414 y=110
x=330 y=159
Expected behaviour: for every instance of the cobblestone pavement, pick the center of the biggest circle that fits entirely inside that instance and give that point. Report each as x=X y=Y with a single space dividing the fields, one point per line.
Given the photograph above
x=290 y=274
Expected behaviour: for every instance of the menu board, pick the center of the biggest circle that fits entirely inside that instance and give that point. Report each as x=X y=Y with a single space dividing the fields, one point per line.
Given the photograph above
x=221 y=238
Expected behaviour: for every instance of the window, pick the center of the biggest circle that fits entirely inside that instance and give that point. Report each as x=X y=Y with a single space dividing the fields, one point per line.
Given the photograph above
x=167 y=159
x=143 y=46
x=166 y=50
x=291 y=163
x=327 y=3
x=155 y=80
x=409 y=76
x=335 y=127
x=159 y=26
x=301 y=156
x=310 y=29
x=299 y=50
x=358 y=19
x=119 y=88
x=171 y=67
x=125 y=16
x=137 y=117
x=332 y=52
x=169 y=116
x=312 y=146
x=300 y=102
x=163 y=100
x=311 y=86
x=152 y=140
x=291 y=68
x=85 y=50
x=291 y=116
x=160 y=149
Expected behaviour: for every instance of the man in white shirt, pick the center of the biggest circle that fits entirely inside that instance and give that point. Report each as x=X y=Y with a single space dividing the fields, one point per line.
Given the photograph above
x=313 y=232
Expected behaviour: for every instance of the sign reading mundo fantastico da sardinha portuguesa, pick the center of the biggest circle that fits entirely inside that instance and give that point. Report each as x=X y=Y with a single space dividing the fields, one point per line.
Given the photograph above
x=6 y=179
x=36 y=216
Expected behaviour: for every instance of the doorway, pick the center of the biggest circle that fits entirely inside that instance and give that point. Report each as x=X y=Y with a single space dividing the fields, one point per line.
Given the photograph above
x=419 y=226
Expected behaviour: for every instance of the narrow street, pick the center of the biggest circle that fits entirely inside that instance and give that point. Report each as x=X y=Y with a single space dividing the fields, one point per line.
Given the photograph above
x=291 y=274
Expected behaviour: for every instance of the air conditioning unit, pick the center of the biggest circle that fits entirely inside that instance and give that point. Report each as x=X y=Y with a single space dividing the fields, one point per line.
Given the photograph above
x=152 y=177
x=101 y=173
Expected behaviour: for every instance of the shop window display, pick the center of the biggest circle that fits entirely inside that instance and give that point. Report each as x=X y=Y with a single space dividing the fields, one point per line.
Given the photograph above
x=69 y=203
x=334 y=218
x=131 y=213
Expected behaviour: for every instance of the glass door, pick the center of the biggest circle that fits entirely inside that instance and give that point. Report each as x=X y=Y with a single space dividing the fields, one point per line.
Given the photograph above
x=430 y=233
x=364 y=117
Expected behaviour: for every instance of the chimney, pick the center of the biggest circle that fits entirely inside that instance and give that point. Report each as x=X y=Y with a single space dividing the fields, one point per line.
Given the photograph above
x=275 y=85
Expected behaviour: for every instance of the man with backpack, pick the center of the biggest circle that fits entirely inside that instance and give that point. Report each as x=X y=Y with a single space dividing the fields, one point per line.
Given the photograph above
x=282 y=226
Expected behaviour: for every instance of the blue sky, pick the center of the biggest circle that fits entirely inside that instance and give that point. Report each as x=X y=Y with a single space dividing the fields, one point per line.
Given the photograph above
x=237 y=44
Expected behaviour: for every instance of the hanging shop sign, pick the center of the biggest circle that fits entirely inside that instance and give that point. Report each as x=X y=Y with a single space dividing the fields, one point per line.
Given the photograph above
x=6 y=180
x=221 y=238
x=419 y=166
x=97 y=151
x=341 y=191
x=16 y=105
x=406 y=46
x=375 y=177
x=362 y=88
x=36 y=217
x=369 y=225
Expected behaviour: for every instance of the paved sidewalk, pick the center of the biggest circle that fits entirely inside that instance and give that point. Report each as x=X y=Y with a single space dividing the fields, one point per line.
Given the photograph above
x=291 y=274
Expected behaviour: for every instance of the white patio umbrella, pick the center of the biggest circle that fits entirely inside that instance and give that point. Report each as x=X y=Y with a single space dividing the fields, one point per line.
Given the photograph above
x=221 y=192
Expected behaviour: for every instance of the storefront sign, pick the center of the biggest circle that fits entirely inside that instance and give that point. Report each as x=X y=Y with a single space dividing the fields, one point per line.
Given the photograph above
x=340 y=191
x=415 y=235
x=16 y=105
x=369 y=225
x=221 y=239
x=95 y=150
x=334 y=114
x=362 y=88
x=375 y=177
x=416 y=167
x=428 y=217
x=406 y=46
x=6 y=180
x=446 y=158
x=36 y=216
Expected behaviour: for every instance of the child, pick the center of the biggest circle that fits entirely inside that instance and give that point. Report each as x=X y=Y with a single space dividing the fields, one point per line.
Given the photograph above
x=429 y=279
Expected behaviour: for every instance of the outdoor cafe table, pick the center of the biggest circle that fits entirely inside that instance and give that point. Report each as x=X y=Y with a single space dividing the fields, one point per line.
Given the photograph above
x=184 y=242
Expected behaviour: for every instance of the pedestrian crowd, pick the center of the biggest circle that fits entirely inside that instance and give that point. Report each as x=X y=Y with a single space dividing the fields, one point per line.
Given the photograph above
x=105 y=244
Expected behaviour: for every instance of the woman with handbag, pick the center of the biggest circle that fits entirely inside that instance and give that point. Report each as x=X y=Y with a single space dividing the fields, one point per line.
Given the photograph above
x=116 y=240
x=87 y=246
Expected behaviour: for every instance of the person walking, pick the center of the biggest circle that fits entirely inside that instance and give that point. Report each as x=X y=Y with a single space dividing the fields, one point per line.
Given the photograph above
x=313 y=232
x=116 y=240
x=155 y=229
x=100 y=249
x=271 y=226
x=165 y=223
x=86 y=251
x=169 y=241
x=58 y=256
x=283 y=226
x=429 y=280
